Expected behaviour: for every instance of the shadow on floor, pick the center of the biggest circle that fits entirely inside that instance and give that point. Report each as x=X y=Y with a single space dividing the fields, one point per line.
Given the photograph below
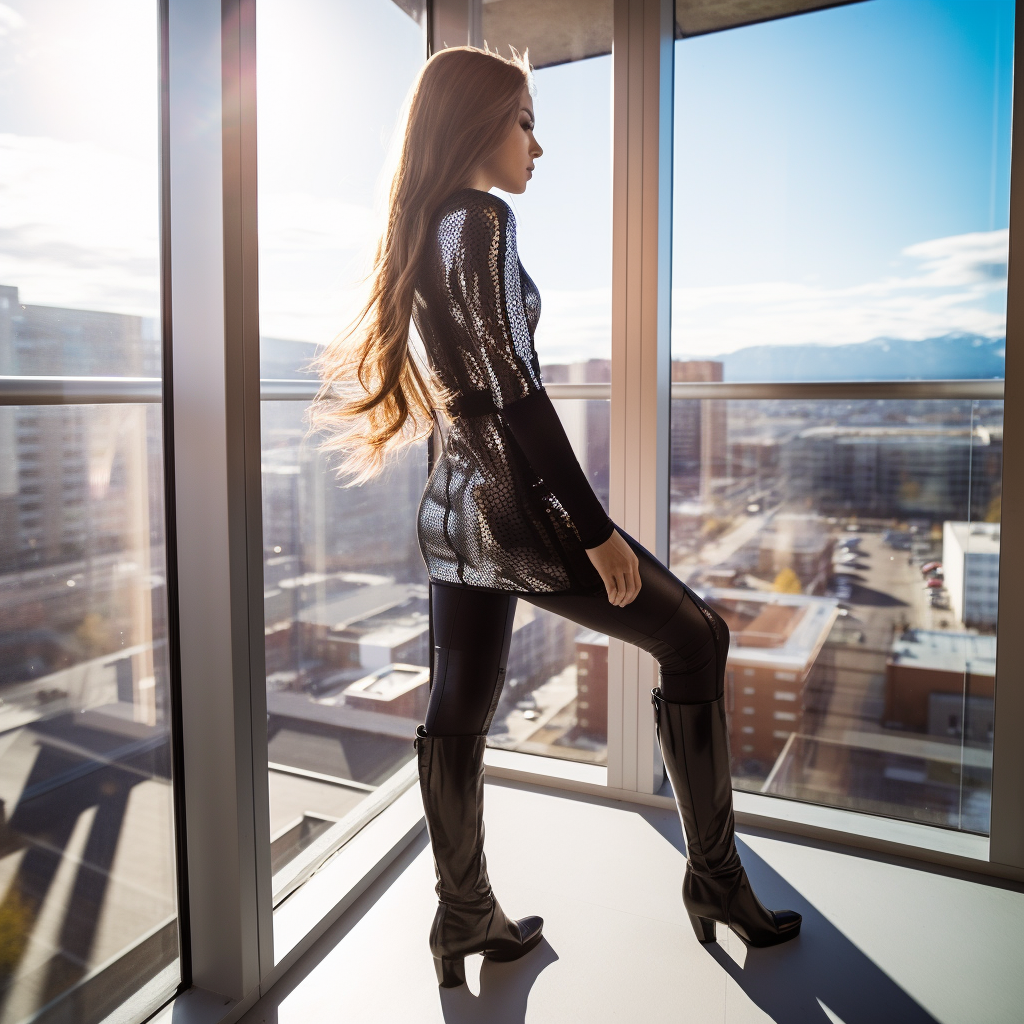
x=504 y=990
x=820 y=968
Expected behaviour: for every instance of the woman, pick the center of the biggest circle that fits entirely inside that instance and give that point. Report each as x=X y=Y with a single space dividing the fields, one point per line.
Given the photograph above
x=507 y=511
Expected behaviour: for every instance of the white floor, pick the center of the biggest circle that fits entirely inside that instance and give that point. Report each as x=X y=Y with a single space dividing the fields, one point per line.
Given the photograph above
x=880 y=943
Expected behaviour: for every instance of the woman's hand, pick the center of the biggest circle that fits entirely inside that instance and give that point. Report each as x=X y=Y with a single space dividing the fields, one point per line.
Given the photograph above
x=619 y=569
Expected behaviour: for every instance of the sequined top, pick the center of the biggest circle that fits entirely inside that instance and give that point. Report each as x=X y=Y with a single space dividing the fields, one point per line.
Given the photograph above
x=487 y=518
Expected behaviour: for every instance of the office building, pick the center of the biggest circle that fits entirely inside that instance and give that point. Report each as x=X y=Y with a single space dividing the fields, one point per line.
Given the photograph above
x=970 y=562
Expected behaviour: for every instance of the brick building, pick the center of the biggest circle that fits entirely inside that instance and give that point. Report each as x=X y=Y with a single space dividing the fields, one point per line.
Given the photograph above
x=932 y=678
x=775 y=642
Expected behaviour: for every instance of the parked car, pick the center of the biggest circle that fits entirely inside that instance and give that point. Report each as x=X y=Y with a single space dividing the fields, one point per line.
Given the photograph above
x=897 y=539
x=930 y=567
x=935 y=584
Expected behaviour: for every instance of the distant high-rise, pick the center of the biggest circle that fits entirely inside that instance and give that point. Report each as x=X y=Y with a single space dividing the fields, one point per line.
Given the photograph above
x=64 y=471
x=81 y=502
x=587 y=424
x=970 y=559
x=700 y=442
x=898 y=470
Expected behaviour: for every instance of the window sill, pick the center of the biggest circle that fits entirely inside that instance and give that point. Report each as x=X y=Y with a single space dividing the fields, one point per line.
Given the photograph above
x=509 y=764
x=311 y=910
x=302 y=918
x=907 y=840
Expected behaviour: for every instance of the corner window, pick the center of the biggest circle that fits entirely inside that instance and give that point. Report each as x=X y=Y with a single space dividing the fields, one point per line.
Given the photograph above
x=841 y=203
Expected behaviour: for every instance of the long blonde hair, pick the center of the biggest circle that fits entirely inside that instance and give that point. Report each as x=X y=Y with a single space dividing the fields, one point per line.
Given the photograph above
x=376 y=397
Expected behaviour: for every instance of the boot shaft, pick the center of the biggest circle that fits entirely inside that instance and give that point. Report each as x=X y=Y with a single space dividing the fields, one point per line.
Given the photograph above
x=451 y=771
x=695 y=746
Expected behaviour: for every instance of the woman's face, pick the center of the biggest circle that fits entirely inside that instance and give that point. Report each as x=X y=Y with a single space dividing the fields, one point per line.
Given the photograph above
x=510 y=166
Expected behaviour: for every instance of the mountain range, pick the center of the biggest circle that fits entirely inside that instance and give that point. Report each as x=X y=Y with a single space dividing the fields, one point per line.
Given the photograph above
x=951 y=357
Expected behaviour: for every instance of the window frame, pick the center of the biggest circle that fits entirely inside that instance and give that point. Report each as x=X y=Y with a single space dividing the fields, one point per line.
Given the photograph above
x=211 y=290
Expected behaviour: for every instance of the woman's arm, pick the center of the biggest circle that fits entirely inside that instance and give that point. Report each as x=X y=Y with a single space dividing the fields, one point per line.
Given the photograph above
x=539 y=433
x=486 y=290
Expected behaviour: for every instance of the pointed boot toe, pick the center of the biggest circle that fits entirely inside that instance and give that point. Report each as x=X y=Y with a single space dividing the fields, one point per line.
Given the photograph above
x=469 y=919
x=531 y=931
x=788 y=924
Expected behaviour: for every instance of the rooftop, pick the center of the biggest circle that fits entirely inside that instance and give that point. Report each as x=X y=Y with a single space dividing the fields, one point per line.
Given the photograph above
x=975 y=538
x=782 y=631
x=945 y=652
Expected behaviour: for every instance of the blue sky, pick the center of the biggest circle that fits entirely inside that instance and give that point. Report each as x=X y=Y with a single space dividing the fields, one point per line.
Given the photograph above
x=839 y=176
x=843 y=175
x=819 y=146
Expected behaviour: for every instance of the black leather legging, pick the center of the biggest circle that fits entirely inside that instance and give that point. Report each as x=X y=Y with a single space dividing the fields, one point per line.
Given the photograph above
x=472 y=632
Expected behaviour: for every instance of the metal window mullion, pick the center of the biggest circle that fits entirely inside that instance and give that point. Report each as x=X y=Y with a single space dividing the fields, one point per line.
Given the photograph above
x=1006 y=845
x=638 y=457
x=242 y=284
x=211 y=499
x=112 y=390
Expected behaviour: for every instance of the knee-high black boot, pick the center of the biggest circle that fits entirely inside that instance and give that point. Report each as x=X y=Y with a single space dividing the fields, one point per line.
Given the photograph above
x=468 y=919
x=695 y=745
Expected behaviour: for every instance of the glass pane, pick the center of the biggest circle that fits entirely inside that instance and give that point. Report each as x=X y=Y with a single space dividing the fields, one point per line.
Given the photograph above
x=842 y=193
x=555 y=700
x=567 y=246
x=853 y=548
x=88 y=886
x=345 y=586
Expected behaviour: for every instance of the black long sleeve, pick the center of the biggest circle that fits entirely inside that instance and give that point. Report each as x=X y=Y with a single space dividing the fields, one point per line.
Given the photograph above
x=539 y=433
x=508 y=506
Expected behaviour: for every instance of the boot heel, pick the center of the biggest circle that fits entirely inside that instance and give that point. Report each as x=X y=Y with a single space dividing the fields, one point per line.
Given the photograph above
x=451 y=972
x=704 y=928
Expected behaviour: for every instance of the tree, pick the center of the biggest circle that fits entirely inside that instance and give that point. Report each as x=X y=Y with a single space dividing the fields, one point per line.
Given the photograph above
x=787 y=582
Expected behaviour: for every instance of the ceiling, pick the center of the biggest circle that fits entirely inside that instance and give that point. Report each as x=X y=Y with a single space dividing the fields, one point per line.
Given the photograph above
x=560 y=31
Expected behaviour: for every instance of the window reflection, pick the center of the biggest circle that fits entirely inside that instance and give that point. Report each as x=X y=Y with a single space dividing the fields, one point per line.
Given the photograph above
x=88 y=883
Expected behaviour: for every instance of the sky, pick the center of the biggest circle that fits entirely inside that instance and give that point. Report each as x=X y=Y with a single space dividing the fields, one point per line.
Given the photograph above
x=79 y=188
x=839 y=176
x=843 y=175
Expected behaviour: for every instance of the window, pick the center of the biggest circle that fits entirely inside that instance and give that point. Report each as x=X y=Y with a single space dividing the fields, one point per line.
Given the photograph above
x=345 y=603
x=86 y=789
x=568 y=254
x=841 y=214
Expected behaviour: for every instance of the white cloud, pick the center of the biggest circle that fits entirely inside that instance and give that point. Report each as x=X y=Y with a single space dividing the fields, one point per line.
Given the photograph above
x=313 y=254
x=78 y=225
x=575 y=325
x=79 y=228
x=959 y=285
x=10 y=20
